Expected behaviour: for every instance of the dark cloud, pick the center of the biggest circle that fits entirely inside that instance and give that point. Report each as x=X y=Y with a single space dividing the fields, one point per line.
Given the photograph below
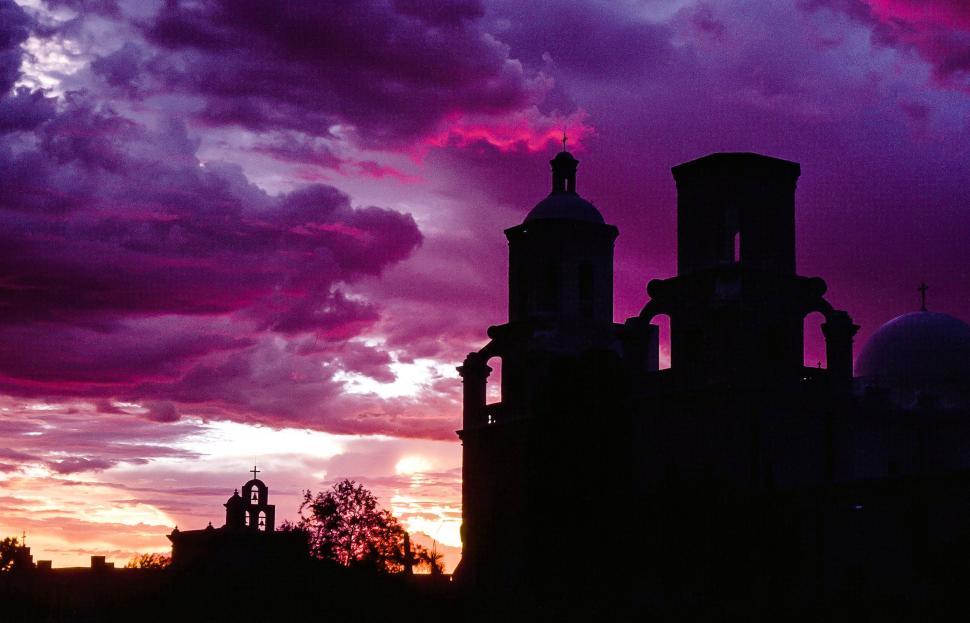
x=69 y=441
x=123 y=68
x=441 y=12
x=20 y=108
x=24 y=110
x=163 y=411
x=130 y=268
x=15 y=26
x=106 y=217
x=600 y=41
x=96 y=359
x=74 y=465
x=395 y=71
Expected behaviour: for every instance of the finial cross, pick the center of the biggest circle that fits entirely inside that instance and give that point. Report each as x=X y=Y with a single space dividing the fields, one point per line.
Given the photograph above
x=922 y=295
x=564 y=139
x=254 y=471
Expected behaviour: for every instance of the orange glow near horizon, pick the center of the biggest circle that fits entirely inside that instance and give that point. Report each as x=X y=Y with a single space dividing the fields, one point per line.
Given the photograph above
x=129 y=508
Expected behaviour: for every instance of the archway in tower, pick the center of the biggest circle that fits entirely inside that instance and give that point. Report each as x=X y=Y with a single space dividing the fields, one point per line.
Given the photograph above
x=662 y=321
x=813 y=348
x=493 y=389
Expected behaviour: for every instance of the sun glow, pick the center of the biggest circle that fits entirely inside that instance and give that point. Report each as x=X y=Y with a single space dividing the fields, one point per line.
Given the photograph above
x=129 y=515
x=225 y=441
x=412 y=465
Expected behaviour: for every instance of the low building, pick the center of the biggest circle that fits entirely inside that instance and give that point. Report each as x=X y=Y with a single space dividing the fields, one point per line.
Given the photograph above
x=248 y=538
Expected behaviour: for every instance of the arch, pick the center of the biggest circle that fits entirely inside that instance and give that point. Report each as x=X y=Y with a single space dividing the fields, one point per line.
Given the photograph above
x=813 y=342
x=822 y=306
x=662 y=322
x=737 y=247
x=261 y=521
x=479 y=404
x=652 y=309
x=493 y=385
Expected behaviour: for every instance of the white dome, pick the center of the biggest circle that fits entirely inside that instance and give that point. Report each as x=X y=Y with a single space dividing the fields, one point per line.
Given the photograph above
x=920 y=350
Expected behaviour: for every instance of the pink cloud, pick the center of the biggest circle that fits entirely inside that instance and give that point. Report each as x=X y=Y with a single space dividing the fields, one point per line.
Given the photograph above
x=939 y=31
x=527 y=129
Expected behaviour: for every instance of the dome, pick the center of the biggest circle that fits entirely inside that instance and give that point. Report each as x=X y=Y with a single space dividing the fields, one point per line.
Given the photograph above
x=235 y=500
x=565 y=205
x=918 y=350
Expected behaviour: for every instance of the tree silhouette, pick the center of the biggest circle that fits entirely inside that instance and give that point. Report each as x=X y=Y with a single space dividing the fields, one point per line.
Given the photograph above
x=149 y=561
x=430 y=558
x=13 y=555
x=347 y=526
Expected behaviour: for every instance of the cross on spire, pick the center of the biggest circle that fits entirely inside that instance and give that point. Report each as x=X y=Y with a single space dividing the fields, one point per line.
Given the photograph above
x=254 y=471
x=922 y=295
x=564 y=139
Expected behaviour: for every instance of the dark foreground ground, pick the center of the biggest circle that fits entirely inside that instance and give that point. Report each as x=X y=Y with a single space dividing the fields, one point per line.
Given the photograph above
x=317 y=593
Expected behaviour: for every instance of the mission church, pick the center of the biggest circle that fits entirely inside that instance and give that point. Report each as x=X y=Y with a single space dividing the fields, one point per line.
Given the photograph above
x=248 y=539
x=738 y=466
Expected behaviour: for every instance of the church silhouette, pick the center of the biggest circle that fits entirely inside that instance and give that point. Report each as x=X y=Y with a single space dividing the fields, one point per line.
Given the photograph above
x=248 y=539
x=738 y=475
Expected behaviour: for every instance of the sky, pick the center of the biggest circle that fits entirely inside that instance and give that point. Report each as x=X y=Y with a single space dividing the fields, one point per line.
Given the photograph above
x=238 y=232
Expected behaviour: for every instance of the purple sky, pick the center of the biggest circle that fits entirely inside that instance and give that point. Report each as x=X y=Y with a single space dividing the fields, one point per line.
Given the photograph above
x=224 y=225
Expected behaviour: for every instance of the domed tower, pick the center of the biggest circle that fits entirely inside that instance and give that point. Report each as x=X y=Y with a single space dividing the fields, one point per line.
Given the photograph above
x=561 y=259
x=235 y=512
x=517 y=451
x=560 y=280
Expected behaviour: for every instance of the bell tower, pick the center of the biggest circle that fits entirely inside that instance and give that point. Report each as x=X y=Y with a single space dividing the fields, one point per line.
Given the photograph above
x=737 y=306
x=257 y=513
x=561 y=259
x=560 y=300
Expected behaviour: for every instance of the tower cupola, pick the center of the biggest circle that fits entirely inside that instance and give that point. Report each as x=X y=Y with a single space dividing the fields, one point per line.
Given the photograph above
x=561 y=258
x=564 y=173
x=564 y=202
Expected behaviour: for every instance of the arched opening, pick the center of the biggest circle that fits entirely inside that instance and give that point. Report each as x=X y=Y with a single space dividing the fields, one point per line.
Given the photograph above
x=246 y=519
x=254 y=496
x=493 y=388
x=662 y=321
x=813 y=342
x=737 y=247
x=261 y=525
